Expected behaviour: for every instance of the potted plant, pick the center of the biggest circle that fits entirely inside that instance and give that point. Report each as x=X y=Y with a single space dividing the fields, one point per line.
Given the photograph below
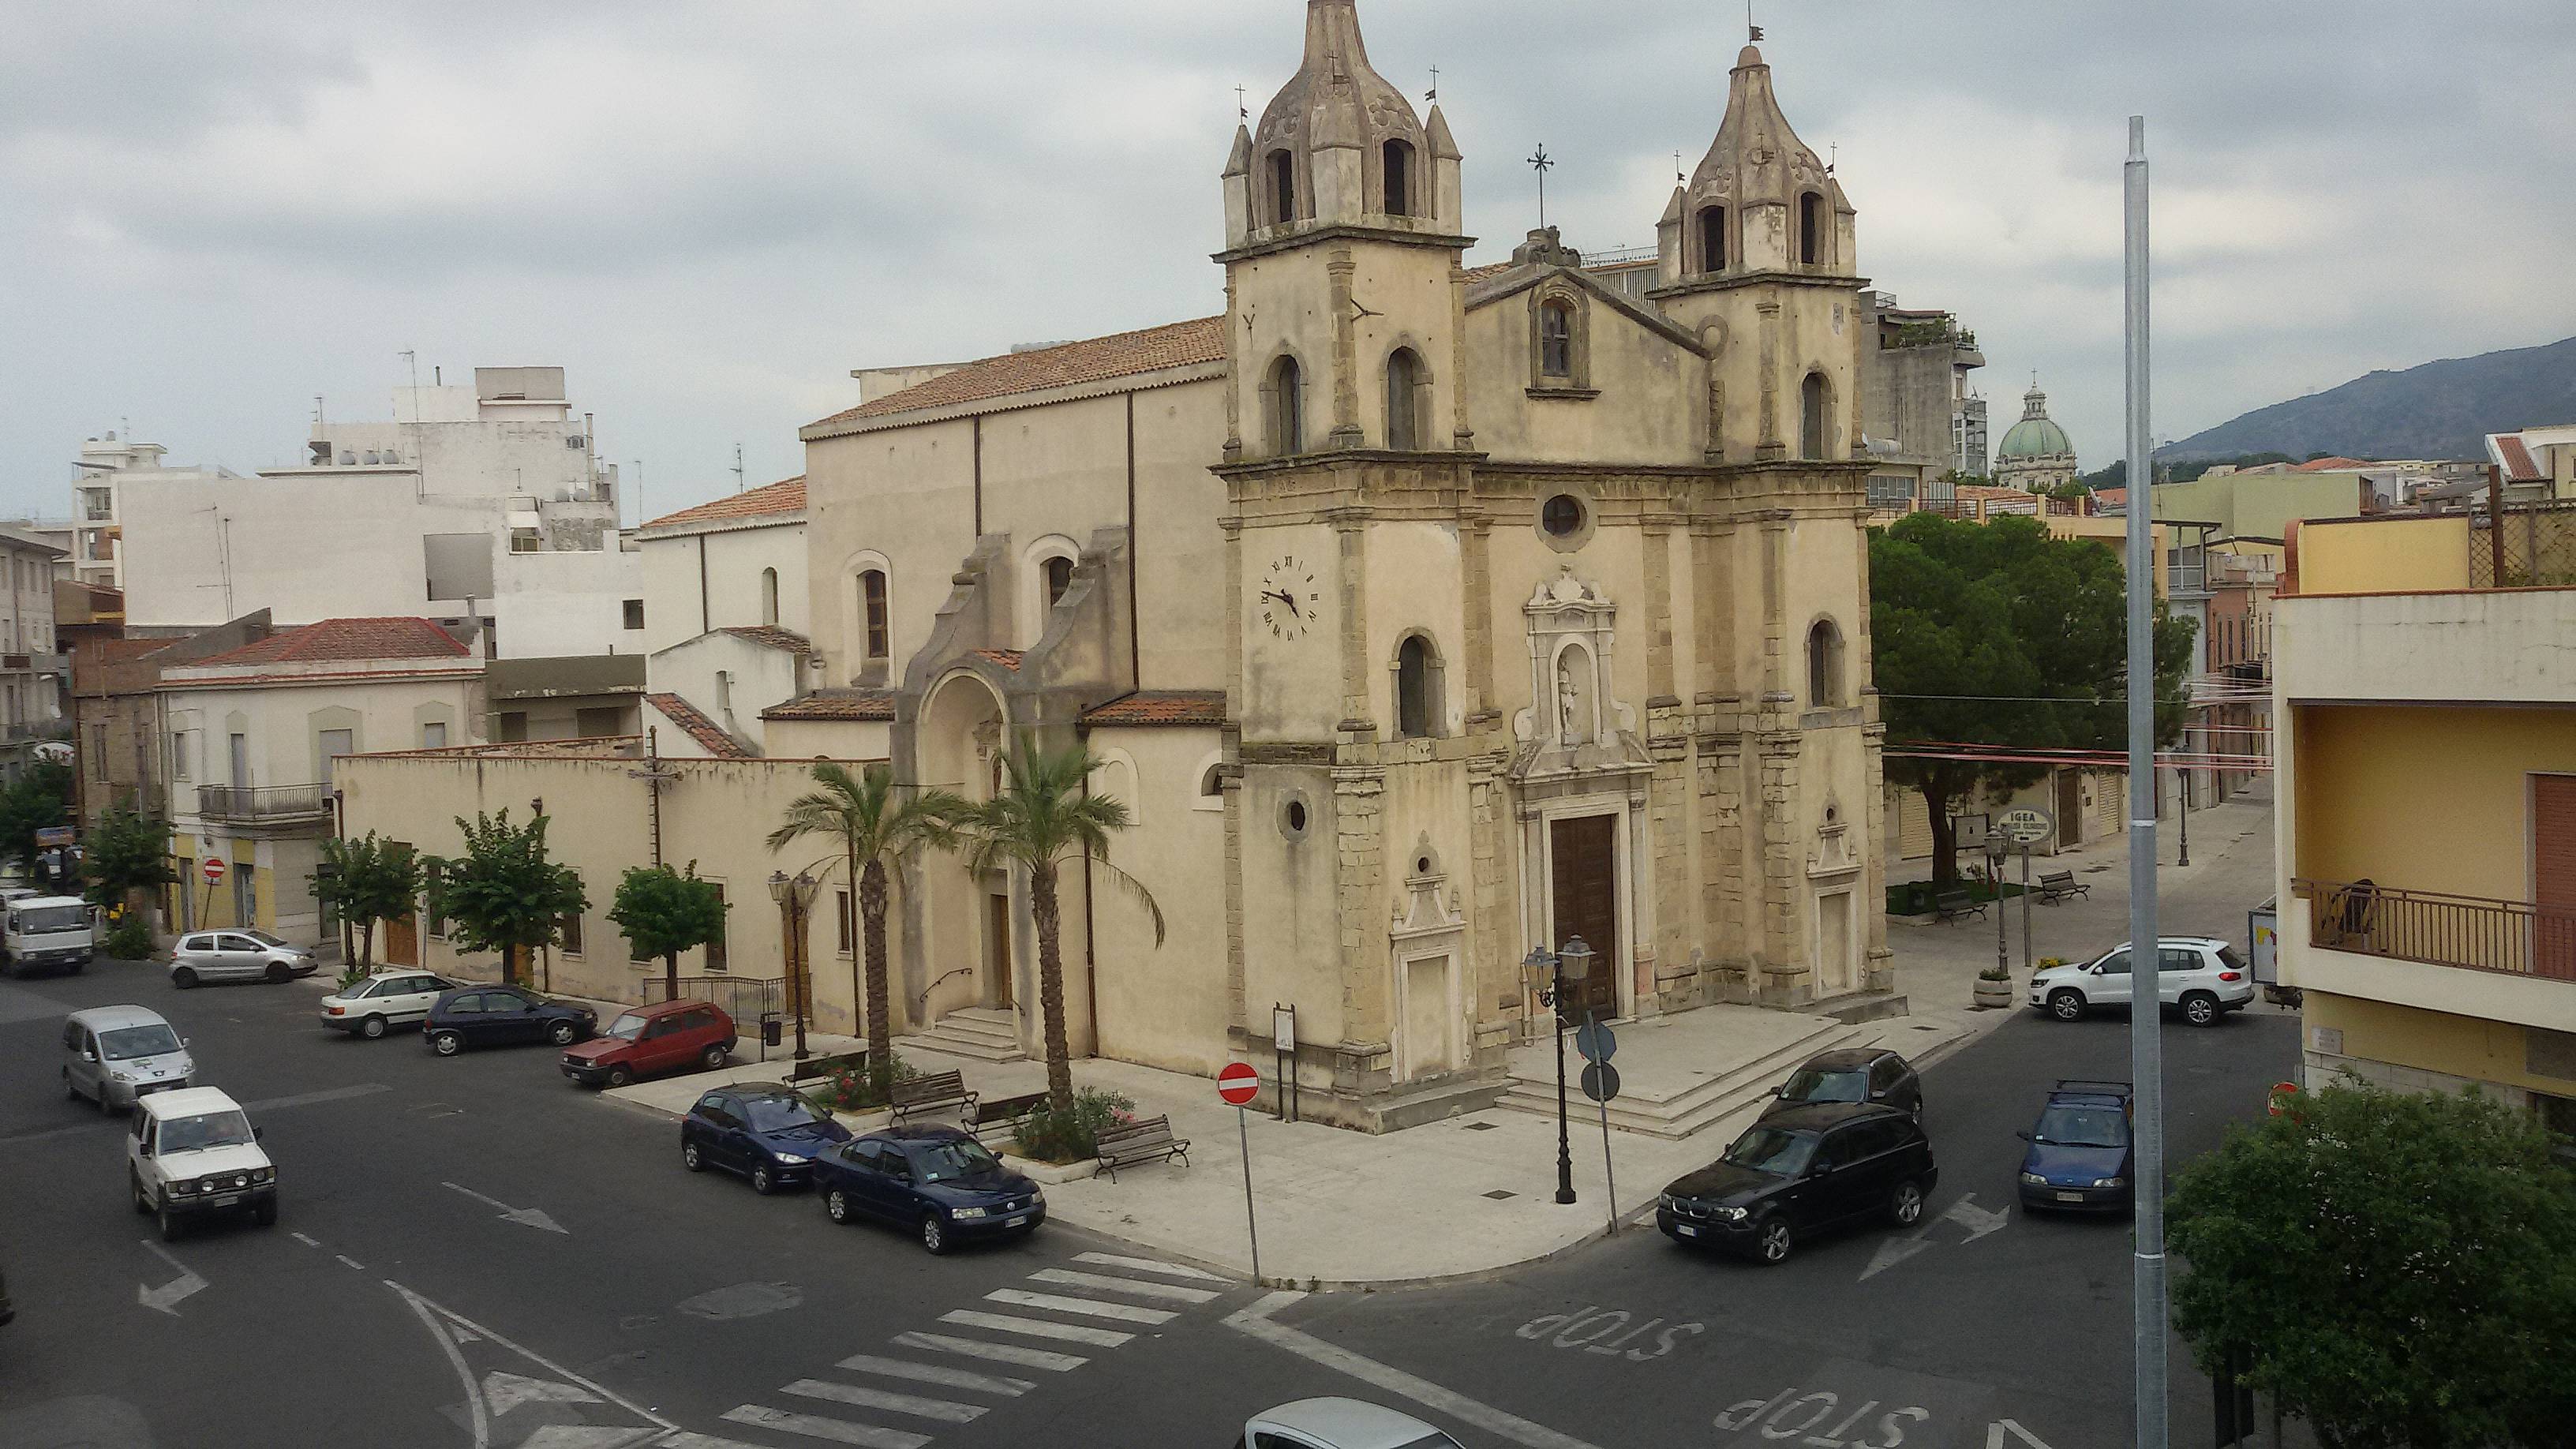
x=1994 y=988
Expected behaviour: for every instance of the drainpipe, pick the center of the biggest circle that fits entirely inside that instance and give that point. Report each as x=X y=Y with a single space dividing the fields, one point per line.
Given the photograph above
x=1090 y=956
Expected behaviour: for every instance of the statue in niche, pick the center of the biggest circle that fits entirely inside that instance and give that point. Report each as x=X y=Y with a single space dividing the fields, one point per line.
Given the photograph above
x=1568 y=700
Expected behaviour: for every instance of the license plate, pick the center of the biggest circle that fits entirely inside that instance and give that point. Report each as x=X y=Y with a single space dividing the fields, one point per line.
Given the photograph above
x=2070 y=1197
x=1019 y=1221
x=1686 y=1230
x=228 y=1199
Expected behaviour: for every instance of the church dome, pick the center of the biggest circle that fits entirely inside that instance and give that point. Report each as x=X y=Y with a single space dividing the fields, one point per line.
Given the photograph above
x=1338 y=105
x=2036 y=435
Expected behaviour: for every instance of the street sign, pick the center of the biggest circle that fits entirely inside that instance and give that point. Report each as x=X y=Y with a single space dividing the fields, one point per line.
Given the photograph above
x=1238 y=1084
x=1594 y=1042
x=214 y=870
x=1601 y=1081
x=51 y=835
x=2025 y=826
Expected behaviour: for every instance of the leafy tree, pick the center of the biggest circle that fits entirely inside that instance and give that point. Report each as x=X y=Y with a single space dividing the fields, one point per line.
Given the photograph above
x=367 y=881
x=2397 y=1269
x=39 y=798
x=2070 y=492
x=504 y=894
x=126 y=851
x=663 y=912
x=1042 y=814
x=877 y=823
x=1998 y=634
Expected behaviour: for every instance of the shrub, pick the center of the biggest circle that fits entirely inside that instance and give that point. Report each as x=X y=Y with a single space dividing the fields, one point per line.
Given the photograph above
x=1070 y=1136
x=1994 y=973
x=128 y=940
x=852 y=1091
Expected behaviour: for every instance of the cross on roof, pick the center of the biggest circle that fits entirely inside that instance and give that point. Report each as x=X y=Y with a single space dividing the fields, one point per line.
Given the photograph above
x=1542 y=164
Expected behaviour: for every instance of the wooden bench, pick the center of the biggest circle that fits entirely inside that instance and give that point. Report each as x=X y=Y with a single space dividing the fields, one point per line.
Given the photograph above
x=1003 y=1113
x=936 y=1092
x=1135 y=1142
x=1951 y=902
x=855 y=1063
x=2056 y=886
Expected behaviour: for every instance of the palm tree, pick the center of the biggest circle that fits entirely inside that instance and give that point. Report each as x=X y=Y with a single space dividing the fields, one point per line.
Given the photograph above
x=1043 y=812
x=878 y=823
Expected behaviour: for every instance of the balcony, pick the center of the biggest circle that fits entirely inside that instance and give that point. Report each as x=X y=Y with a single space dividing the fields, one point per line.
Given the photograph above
x=263 y=804
x=2470 y=933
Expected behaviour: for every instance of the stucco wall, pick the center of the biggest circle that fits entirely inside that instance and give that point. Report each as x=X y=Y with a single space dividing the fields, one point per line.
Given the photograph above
x=681 y=603
x=1637 y=371
x=2506 y=645
x=756 y=677
x=2423 y=799
x=560 y=604
x=1162 y=1006
x=2428 y=1041
x=2383 y=555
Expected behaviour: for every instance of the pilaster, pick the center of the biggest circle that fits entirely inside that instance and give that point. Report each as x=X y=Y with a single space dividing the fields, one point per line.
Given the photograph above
x=1784 y=975
x=1770 y=446
x=1346 y=388
x=1475 y=547
x=1775 y=610
x=1350 y=533
x=1359 y=860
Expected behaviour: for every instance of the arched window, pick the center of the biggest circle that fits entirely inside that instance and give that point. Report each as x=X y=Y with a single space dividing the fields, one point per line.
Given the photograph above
x=1212 y=783
x=872 y=613
x=1283 y=188
x=1417 y=689
x=1403 y=400
x=1059 y=577
x=1399 y=178
x=1287 y=408
x=1555 y=340
x=1810 y=211
x=1712 y=239
x=769 y=596
x=1824 y=665
x=1811 y=416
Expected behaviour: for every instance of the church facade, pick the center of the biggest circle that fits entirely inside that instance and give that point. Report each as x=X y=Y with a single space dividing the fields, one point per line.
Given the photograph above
x=1425 y=615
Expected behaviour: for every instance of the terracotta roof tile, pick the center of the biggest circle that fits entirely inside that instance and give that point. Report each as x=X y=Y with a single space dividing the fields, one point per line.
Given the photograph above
x=1171 y=708
x=2330 y=465
x=784 y=496
x=2515 y=458
x=2112 y=497
x=1490 y=269
x=865 y=706
x=1007 y=658
x=1069 y=364
x=694 y=723
x=773 y=636
x=346 y=639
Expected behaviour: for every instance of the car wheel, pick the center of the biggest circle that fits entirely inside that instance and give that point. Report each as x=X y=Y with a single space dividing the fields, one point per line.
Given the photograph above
x=169 y=1224
x=134 y=1186
x=934 y=1233
x=763 y=1181
x=714 y=1058
x=69 y=1089
x=561 y=1033
x=1776 y=1242
x=1905 y=1206
x=836 y=1206
x=2066 y=1005
x=264 y=1212
x=277 y=973
x=446 y=1043
x=619 y=1076
x=103 y=1107
x=372 y=1028
x=2200 y=1009
x=183 y=978
x=691 y=1158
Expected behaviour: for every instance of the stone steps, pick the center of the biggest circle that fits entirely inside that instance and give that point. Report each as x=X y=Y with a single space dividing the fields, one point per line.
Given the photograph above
x=1680 y=1113
x=977 y=1033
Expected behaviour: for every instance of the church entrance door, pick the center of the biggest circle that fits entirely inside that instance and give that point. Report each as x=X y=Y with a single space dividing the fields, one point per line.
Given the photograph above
x=997 y=950
x=1583 y=858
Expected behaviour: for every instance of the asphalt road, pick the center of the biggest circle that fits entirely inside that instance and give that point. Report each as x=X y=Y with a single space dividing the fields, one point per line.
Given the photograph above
x=395 y=1304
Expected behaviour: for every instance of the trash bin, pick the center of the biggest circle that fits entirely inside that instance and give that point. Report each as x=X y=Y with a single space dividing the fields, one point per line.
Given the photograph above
x=771 y=1029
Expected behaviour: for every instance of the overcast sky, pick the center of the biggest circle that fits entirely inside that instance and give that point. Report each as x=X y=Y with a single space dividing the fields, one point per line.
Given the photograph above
x=710 y=213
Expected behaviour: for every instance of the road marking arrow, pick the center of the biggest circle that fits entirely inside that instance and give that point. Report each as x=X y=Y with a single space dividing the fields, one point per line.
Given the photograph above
x=1975 y=1219
x=1964 y=1212
x=1892 y=1252
x=530 y=1217
x=164 y=1298
x=503 y=1392
x=1995 y=1435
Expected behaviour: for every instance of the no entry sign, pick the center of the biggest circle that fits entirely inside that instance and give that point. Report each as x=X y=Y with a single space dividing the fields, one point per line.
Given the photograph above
x=213 y=870
x=1238 y=1084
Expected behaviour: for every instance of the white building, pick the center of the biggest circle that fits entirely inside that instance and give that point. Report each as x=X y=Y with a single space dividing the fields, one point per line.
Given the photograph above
x=33 y=675
x=725 y=614
x=107 y=468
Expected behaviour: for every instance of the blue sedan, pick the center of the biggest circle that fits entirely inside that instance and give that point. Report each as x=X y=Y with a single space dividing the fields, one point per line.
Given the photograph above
x=762 y=1130
x=936 y=1181
x=2081 y=1154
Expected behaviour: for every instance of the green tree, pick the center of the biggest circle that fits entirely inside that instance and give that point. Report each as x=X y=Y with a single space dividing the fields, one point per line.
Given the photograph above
x=1998 y=634
x=2397 y=1269
x=504 y=893
x=366 y=881
x=40 y=797
x=126 y=852
x=877 y=824
x=663 y=912
x=1043 y=814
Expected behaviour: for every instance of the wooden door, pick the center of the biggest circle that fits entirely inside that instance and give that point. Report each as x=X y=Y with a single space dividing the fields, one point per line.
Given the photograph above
x=997 y=949
x=2553 y=875
x=402 y=941
x=2070 y=809
x=1583 y=856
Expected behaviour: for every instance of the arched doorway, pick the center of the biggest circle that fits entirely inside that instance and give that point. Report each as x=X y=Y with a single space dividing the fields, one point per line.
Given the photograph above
x=971 y=935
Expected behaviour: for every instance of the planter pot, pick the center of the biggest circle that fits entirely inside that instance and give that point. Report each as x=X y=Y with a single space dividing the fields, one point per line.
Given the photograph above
x=1049 y=1174
x=1993 y=994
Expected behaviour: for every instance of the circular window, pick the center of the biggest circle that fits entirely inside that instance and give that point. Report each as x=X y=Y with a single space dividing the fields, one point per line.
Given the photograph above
x=1292 y=818
x=1562 y=515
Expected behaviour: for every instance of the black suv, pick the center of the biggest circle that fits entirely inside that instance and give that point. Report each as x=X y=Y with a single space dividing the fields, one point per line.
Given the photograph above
x=1802 y=1171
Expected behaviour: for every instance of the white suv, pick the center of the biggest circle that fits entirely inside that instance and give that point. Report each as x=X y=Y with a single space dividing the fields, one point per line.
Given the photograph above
x=2200 y=975
x=193 y=1152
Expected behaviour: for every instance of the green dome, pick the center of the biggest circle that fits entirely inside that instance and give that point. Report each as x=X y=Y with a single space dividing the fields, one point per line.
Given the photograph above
x=2035 y=436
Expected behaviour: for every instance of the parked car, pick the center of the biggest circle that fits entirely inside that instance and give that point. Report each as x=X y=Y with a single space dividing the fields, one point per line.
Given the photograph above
x=388 y=999
x=1339 y=1424
x=236 y=955
x=117 y=1055
x=763 y=1130
x=47 y=932
x=2082 y=1155
x=1804 y=1171
x=503 y=1016
x=1852 y=1074
x=667 y=1036
x=937 y=1181
x=2200 y=975
x=193 y=1152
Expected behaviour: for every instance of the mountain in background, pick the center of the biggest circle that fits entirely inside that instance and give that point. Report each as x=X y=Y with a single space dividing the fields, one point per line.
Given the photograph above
x=2438 y=410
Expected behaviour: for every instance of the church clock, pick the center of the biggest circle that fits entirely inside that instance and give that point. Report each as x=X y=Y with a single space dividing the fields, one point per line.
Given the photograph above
x=1288 y=599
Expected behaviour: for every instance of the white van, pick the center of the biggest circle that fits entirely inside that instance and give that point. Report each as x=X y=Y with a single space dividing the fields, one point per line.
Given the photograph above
x=194 y=1152
x=118 y=1055
x=60 y=932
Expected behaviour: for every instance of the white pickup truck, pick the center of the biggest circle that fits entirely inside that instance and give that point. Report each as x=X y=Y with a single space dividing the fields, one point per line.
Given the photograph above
x=46 y=933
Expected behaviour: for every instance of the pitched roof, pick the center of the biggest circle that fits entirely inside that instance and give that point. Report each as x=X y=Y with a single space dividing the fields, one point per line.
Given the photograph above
x=1067 y=364
x=1007 y=658
x=2330 y=465
x=1169 y=708
x=785 y=496
x=694 y=723
x=346 y=639
x=2514 y=457
x=2113 y=497
x=865 y=706
x=772 y=636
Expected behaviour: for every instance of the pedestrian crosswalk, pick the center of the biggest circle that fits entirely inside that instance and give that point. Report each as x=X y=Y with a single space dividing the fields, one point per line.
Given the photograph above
x=934 y=1381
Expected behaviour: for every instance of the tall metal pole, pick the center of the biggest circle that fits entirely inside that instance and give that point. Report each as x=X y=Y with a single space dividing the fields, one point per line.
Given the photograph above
x=2025 y=908
x=1564 y=1147
x=2146 y=1019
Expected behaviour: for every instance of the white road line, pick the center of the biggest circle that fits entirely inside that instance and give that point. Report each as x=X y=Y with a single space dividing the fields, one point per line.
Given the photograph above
x=431 y=1315
x=312 y=1099
x=683 y=1439
x=308 y=1242
x=1088 y=1307
x=1150 y=1265
x=348 y=1262
x=1165 y=1291
x=815 y=1426
x=1036 y=1327
x=931 y=1373
x=998 y=1352
x=947 y=1410
x=1255 y=1321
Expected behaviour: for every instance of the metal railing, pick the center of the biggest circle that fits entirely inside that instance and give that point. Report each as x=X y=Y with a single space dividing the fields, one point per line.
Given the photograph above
x=262 y=802
x=749 y=1000
x=2474 y=933
x=2522 y=545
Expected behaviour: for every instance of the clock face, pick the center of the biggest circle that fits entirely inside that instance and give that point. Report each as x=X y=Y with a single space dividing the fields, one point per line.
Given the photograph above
x=1287 y=600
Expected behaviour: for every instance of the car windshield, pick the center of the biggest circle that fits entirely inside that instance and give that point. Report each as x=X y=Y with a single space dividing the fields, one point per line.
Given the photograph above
x=1433 y=1440
x=266 y=939
x=1768 y=1149
x=213 y=1129
x=779 y=1114
x=627 y=1027
x=2083 y=1127
x=128 y=1042
x=944 y=1161
x=1818 y=1084
x=44 y=919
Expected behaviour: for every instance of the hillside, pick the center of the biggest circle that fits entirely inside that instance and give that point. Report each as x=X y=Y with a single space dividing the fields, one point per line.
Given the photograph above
x=2437 y=410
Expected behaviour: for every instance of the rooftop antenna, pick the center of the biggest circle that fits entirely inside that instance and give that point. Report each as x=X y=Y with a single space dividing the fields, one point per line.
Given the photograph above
x=1749 y=27
x=640 y=514
x=1241 y=111
x=1833 y=153
x=317 y=409
x=1433 y=95
x=737 y=467
x=413 y=357
x=1541 y=164
x=1678 y=178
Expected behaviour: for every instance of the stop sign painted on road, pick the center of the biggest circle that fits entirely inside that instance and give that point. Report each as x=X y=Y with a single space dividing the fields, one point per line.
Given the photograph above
x=214 y=870
x=1238 y=1084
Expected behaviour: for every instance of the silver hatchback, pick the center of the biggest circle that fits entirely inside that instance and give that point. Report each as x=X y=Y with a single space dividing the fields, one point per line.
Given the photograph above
x=238 y=954
x=114 y=1055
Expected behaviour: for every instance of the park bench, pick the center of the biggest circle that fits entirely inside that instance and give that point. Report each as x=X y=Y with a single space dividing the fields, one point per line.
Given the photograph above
x=1130 y=1143
x=935 y=1092
x=1951 y=902
x=1002 y=1114
x=855 y=1063
x=2056 y=886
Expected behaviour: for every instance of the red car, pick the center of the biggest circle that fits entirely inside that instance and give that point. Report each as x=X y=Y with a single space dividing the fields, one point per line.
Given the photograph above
x=667 y=1037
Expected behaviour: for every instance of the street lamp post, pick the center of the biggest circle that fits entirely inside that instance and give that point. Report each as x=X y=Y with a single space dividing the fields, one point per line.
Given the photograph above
x=1551 y=995
x=793 y=896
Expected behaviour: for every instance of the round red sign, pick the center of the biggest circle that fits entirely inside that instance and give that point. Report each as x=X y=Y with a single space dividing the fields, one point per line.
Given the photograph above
x=1238 y=1084
x=214 y=870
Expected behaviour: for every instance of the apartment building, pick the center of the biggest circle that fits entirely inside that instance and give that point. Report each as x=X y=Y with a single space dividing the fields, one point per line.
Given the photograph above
x=33 y=673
